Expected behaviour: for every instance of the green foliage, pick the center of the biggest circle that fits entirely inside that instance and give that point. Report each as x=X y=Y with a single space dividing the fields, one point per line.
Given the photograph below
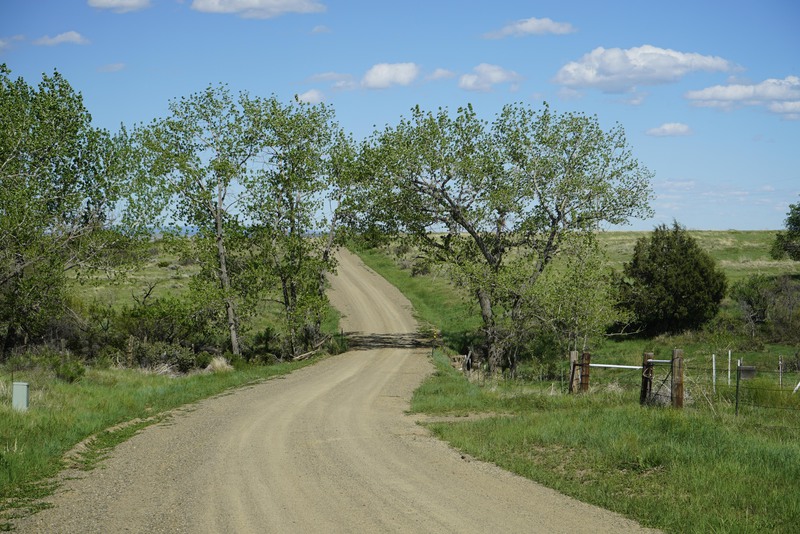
x=671 y=284
x=788 y=243
x=506 y=195
x=770 y=307
x=61 y=181
x=307 y=158
x=193 y=160
x=574 y=299
x=495 y=202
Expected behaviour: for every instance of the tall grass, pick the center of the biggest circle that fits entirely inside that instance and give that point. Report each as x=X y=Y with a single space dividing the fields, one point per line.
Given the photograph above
x=681 y=471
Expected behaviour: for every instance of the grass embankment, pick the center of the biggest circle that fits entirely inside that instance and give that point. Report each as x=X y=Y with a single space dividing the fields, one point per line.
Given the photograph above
x=695 y=470
x=61 y=415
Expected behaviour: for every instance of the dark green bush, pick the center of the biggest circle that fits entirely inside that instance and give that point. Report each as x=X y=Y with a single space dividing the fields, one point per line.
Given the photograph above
x=671 y=284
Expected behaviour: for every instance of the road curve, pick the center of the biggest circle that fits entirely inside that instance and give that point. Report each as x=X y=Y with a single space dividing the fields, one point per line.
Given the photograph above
x=326 y=449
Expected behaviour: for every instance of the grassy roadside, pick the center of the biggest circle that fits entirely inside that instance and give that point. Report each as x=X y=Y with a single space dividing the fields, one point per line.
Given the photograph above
x=677 y=471
x=694 y=470
x=61 y=415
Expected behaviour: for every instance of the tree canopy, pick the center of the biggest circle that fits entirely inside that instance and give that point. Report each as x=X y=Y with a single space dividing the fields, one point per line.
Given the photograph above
x=63 y=186
x=494 y=202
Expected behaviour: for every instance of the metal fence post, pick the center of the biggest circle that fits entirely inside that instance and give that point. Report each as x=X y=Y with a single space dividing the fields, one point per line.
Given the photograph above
x=738 y=377
x=647 y=378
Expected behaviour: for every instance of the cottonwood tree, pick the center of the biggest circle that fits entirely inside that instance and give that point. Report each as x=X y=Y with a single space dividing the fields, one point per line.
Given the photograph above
x=494 y=202
x=198 y=158
x=62 y=183
x=306 y=162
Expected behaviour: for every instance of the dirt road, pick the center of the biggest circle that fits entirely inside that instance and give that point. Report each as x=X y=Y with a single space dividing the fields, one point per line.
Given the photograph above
x=326 y=449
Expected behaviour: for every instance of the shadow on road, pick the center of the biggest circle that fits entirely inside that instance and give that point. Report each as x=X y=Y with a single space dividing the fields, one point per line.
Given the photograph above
x=361 y=341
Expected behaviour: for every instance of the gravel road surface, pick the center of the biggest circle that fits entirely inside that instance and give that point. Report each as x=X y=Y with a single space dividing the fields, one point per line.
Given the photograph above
x=325 y=449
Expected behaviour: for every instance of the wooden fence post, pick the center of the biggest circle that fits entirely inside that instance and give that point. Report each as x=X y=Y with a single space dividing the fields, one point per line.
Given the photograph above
x=677 y=378
x=574 y=377
x=587 y=357
x=647 y=378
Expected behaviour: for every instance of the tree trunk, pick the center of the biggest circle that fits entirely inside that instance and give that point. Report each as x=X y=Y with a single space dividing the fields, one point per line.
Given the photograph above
x=494 y=348
x=225 y=281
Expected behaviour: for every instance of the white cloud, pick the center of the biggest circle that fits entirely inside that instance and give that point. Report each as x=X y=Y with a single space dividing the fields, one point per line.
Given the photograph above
x=531 y=26
x=670 y=129
x=258 y=9
x=120 y=6
x=6 y=42
x=778 y=96
x=312 y=96
x=486 y=76
x=320 y=29
x=384 y=75
x=441 y=74
x=66 y=37
x=616 y=70
x=111 y=67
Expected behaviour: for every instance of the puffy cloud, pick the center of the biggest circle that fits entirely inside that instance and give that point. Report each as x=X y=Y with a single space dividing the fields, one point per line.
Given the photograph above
x=616 y=70
x=441 y=74
x=313 y=96
x=258 y=9
x=384 y=75
x=66 y=37
x=531 y=26
x=120 y=6
x=486 y=76
x=111 y=67
x=778 y=96
x=670 y=129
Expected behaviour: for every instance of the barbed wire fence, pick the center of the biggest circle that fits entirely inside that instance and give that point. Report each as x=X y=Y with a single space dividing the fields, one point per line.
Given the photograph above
x=768 y=390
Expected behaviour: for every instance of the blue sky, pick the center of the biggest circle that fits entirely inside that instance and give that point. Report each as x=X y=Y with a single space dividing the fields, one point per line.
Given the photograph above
x=708 y=91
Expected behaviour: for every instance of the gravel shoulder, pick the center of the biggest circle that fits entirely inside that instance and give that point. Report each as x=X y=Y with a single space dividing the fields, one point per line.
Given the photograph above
x=328 y=448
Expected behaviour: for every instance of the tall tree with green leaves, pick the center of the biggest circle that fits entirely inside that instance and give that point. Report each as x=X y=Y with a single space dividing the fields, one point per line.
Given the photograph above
x=575 y=299
x=198 y=158
x=305 y=164
x=62 y=183
x=787 y=243
x=671 y=284
x=494 y=202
